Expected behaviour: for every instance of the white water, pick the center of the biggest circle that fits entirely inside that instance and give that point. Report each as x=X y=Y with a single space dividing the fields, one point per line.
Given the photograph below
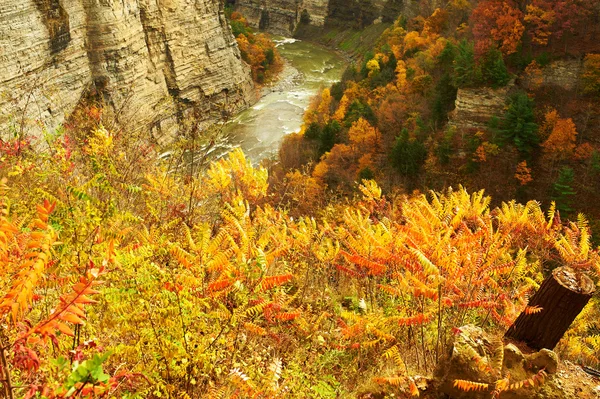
x=260 y=129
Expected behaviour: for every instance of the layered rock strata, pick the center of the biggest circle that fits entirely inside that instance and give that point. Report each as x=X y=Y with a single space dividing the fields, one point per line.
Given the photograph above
x=282 y=16
x=153 y=61
x=474 y=107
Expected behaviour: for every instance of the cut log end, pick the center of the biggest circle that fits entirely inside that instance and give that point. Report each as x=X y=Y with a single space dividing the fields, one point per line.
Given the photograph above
x=560 y=298
x=574 y=281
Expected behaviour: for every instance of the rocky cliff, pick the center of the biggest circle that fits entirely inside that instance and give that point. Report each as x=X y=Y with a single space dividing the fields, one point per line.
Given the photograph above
x=283 y=16
x=474 y=107
x=153 y=61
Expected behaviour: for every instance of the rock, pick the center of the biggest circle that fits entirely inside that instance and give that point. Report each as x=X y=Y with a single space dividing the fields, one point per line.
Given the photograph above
x=513 y=357
x=544 y=359
x=561 y=73
x=474 y=107
x=474 y=356
x=281 y=16
x=151 y=61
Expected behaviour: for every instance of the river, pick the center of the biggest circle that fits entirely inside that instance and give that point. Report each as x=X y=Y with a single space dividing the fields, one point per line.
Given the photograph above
x=259 y=129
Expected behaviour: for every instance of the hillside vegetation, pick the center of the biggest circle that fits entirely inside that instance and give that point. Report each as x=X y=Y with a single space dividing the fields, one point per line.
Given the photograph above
x=129 y=277
x=523 y=75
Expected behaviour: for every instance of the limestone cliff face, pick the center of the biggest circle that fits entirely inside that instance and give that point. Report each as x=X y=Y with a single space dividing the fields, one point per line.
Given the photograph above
x=153 y=61
x=561 y=73
x=475 y=106
x=281 y=16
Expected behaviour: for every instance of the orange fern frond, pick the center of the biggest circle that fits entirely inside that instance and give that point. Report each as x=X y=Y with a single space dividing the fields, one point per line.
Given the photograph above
x=374 y=268
x=219 y=285
x=181 y=256
x=413 y=389
x=29 y=257
x=287 y=316
x=274 y=281
x=70 y=308
x=529 y=310
x=468 y=386
x=414 y=320
x=389 y=289
x=255 y=329
x=241 y=381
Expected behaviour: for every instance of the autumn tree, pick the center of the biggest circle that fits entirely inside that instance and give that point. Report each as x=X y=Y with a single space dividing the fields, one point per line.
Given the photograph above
x=540 y=19
x=497 y=23
x=561 y=142
x=363 y=136
x=523 y=173
x=556 y=17
x=258 y=50
x=534 y=75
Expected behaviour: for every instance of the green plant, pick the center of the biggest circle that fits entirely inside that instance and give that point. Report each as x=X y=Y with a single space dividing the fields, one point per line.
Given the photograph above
x=563 y=191
x=408 y=155
x=518 y=124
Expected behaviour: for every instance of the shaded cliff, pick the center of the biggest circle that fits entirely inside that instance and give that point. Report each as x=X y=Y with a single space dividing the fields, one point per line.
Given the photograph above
x=152 y=61
x=283 y=16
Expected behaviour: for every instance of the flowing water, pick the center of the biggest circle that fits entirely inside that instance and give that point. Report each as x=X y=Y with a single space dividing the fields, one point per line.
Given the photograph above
x=259 y=129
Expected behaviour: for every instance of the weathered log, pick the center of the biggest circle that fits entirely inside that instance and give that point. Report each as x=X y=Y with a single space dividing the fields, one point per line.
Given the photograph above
x=561 y=297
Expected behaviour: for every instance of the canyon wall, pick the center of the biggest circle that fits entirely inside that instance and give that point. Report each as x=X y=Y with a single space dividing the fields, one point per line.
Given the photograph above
x=474 y=107
x=152 y=61
x=283 y=16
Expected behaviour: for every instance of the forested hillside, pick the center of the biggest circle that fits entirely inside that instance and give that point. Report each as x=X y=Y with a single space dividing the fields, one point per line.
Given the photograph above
x=500 y=95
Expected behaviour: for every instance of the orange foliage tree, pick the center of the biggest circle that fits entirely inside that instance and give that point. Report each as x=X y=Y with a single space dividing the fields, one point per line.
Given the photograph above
x=258 y=50
x=523 y=173
x=561 y=141
x=497 y=23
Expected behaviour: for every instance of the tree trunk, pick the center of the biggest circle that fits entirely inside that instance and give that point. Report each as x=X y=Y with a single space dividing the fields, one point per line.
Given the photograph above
x=561 y=297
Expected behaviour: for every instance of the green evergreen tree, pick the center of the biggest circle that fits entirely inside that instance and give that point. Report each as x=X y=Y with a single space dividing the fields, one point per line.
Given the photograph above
x=358 y=110
x=466 y=71
x=494 y=69
x=408 y=155
x=445 y=148
x=329 y=136
x=563 y=191
x=313 y=131
x=445 y=95
x=365 y=174
x=518 y=126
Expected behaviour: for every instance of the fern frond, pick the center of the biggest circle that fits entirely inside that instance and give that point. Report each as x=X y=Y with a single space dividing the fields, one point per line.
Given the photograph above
x=529 y=310
x=468 y=386
x=70 y=308
x=274 y=281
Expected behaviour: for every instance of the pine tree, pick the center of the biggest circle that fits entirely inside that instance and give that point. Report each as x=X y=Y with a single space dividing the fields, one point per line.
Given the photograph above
x=563 y=192
x=408 y=155
x=494 y=70
x=466 y=72
x=518 y=124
